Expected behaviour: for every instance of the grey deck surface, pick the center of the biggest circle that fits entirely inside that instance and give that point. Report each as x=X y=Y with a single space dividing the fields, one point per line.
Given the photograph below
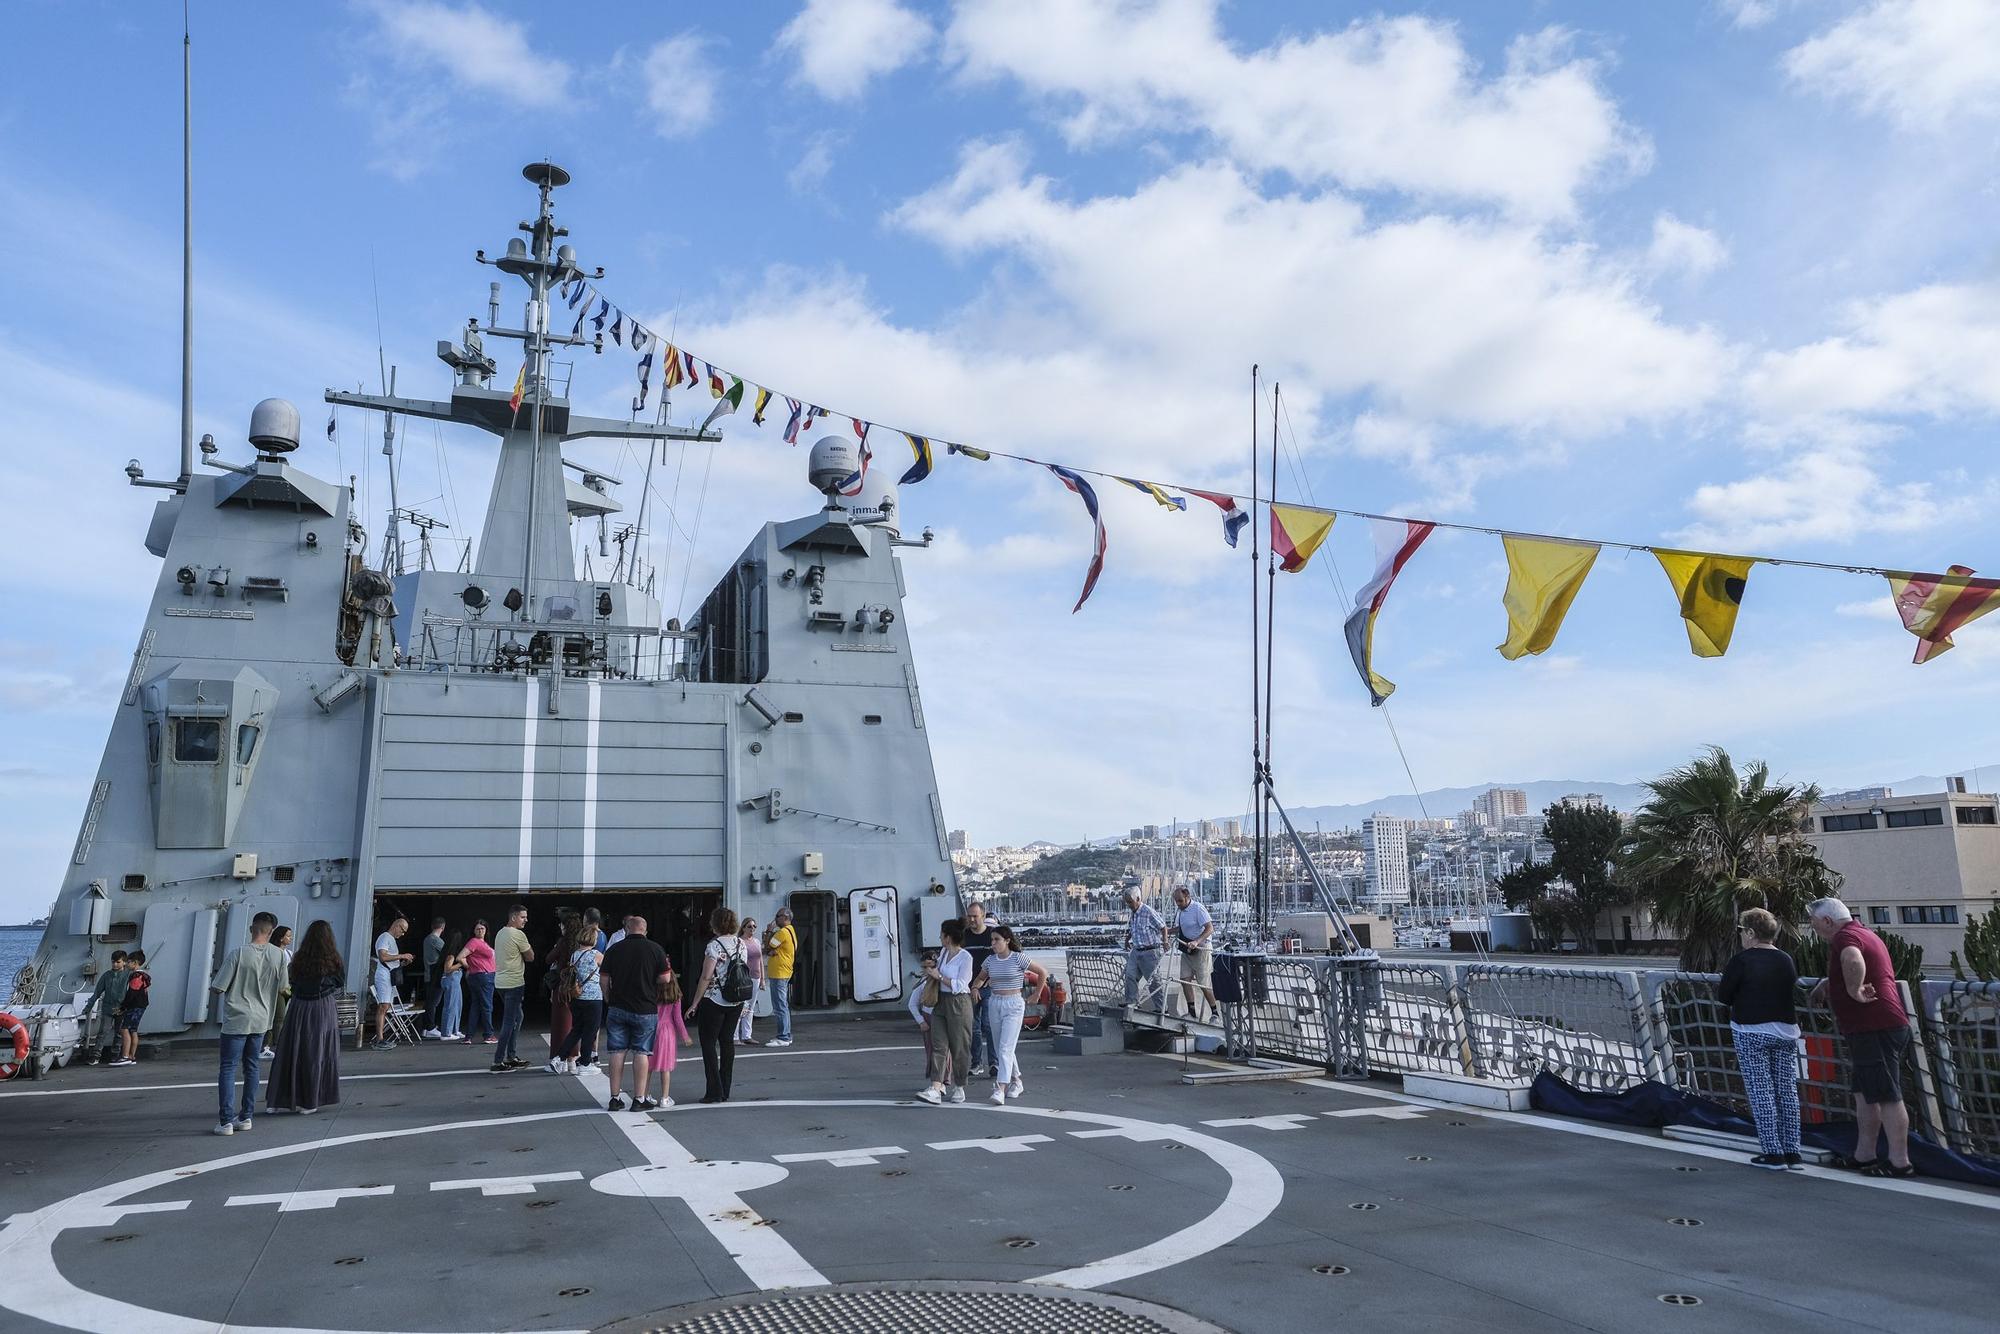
x=1510 y=1224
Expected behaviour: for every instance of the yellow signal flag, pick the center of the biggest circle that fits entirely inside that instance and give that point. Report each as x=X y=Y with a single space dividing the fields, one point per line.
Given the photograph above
x=1296 y=533
x=1711 y=592
x=1543 y=577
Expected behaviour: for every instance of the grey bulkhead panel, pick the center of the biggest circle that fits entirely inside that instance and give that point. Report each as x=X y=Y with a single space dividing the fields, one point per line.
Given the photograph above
x=267 y=647
x=469 y=764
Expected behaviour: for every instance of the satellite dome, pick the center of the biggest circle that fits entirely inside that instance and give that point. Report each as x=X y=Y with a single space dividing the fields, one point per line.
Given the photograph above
x=274 y=426
x=834 y=460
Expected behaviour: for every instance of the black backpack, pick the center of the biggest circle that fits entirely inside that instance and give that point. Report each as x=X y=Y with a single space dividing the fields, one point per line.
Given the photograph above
x=737 y=984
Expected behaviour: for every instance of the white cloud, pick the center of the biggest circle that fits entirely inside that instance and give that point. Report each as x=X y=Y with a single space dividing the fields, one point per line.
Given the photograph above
x=1385 y=103
x=809 y=173
x=1922 y=63
x=1828 y=494
x=679 y=78
x=1748 y=13
x=1460 y=321
x=1933 y=351
x=1683 y=248
x=843 y=44
x=475 y=49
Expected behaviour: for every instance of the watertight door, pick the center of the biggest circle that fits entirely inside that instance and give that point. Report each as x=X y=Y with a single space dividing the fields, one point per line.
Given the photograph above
x=878 y=952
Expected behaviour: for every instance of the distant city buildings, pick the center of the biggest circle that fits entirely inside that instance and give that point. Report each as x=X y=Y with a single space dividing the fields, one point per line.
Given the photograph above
x=1594 y=800
x=957 y=841
x=1229 y=830
x=1385 y=848
x=1497 y=804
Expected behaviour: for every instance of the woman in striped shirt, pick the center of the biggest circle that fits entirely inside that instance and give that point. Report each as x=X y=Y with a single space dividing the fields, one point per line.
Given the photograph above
x=1010 y=973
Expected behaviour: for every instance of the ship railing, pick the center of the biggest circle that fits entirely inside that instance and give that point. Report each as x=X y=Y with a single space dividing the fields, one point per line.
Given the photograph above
x=1961 y=1026
x=1601 y=1029
x=582 y=649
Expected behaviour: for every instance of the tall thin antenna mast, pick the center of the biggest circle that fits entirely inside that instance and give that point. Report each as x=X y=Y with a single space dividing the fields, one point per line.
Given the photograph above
x=187 y=253
x=1256 y=682
x=1270 y=694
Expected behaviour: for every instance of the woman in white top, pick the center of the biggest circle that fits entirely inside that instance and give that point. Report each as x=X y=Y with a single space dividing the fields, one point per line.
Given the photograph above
x=1010 y=973
x=754 y=952
x=951 y=1021
x=714 y=1017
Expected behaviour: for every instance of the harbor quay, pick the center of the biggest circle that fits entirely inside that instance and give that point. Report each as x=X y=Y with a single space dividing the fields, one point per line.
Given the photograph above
x=1114 y=1194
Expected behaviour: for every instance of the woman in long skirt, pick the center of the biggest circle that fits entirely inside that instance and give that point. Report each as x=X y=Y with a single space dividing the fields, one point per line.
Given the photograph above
x=306 y=1074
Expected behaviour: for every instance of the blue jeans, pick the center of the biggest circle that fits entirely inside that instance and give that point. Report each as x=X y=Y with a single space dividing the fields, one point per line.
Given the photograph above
x=479 y=1000
x=238 y=1047
x=451 y=1000
x=982 y=1039
x=510 y=1022
x=625 y=1030
x=781 y=1006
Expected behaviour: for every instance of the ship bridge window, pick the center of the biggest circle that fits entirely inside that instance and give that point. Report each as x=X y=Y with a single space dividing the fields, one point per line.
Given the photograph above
x=246 y=742
x=197 y=740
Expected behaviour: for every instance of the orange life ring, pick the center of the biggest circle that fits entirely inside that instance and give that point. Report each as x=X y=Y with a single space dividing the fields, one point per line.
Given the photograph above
x=19 y=1031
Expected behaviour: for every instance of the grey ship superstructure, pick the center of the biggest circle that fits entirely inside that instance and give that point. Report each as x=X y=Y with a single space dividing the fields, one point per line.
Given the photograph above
x=306 y=734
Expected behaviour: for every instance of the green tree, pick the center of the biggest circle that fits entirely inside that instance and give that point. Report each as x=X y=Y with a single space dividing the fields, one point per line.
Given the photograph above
x=1584 y=839
x=1982 y=948
x=1524 y=884
x=1712 y=841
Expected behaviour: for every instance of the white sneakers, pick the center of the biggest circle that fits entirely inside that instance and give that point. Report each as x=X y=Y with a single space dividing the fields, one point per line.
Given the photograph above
x=224 y=1129
x=779 y=1042
x=556 y=1067
x=434 y=1035
x=957 y=1093
x=1015 y=1088
x=999 y=1098
x=266 y=1054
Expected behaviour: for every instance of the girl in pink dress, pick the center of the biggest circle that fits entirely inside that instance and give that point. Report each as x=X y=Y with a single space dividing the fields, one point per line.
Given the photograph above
x=669 y=1031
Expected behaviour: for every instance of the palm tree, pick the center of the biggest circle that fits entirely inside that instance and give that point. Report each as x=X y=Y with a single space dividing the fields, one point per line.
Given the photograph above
x=1712 y=842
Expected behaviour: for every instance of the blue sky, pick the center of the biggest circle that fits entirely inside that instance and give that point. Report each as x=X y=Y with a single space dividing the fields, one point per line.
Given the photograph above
x=1717 y=274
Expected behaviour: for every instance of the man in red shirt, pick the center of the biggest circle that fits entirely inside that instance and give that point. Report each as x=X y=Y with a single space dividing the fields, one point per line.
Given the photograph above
x=1868 y=1009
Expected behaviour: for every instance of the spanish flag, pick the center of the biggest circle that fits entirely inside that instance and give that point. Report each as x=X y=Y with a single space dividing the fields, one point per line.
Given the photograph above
x=1711 y=592
x=1543 y=577
x=1932 y=606
x=520 y=388
x=1296 y=533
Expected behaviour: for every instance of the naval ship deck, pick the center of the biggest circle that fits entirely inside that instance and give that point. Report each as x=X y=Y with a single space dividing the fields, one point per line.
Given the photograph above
x=440 y=1197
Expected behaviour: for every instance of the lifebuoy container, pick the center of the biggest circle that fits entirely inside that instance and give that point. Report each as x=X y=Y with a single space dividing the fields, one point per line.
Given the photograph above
x=18 y=1031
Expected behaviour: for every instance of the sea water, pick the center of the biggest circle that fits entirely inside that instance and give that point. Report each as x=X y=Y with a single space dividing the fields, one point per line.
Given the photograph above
x=17 y=946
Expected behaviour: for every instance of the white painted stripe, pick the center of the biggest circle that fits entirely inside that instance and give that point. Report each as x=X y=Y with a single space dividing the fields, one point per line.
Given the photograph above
x=301 y=1201
x=531 y=722
x=998 y=1144
x=505 y=1185
x=590 y=792
x=1590 y=1130
x=1279 y=1121
x=842 y=1157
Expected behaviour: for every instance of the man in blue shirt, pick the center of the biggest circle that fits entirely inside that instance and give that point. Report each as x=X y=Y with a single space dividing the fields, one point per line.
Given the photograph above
x=1145 y=937
x=1194 y=929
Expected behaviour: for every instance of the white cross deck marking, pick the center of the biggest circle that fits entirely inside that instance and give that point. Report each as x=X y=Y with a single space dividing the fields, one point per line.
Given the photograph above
x=841 y=1157
x=105 y=1217
x=998 y=1144
x=1278 y=1121
x=505 y=1185
x=1386 y=1113
x=299 y=1201
x=712 y=1190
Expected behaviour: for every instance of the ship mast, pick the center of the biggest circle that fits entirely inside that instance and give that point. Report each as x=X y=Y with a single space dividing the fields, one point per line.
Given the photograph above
x=187 y=255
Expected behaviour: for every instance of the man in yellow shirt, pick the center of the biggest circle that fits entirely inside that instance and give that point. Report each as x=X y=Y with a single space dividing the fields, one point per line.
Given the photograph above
x=511 y=955
x=781 y=948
